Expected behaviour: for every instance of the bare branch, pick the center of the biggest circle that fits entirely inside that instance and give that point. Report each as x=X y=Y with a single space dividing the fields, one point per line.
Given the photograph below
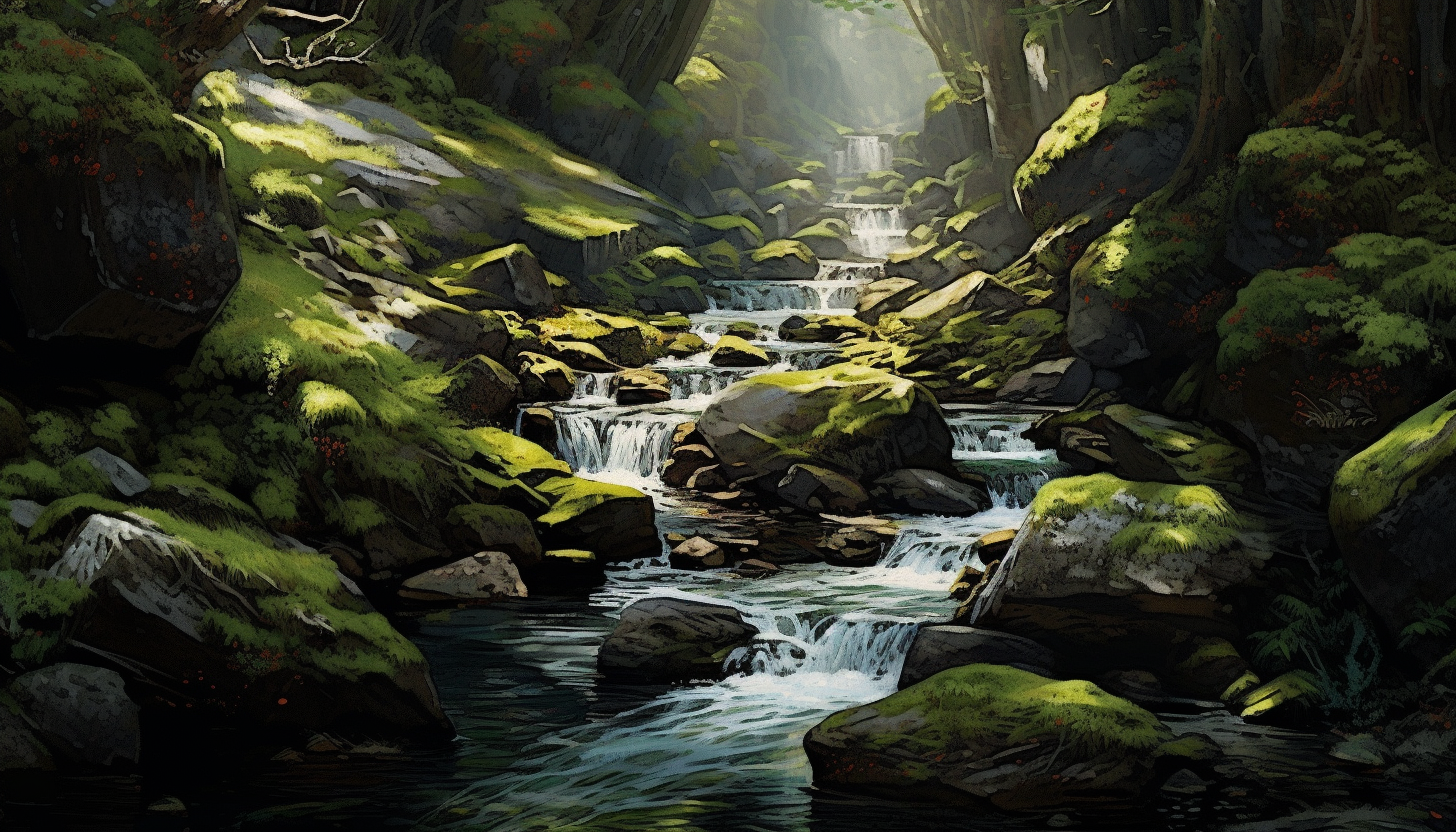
x=328 y=39
x=275 y=11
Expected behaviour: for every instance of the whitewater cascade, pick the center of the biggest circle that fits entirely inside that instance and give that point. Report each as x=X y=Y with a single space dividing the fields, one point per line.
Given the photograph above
x=863 y=154
x=878 y=230
x=830 y=638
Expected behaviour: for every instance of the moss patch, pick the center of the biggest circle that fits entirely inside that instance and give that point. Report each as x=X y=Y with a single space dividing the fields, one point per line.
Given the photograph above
x=1383 y=474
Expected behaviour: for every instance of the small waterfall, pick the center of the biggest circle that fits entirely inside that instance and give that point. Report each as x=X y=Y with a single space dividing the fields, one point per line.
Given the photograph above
x=930 y=551
x=879 y=230
x=842 y=270
x=850 y=643
x=1016 y=490
x=611 y=442
x=978 y=437
x=799 y=295
x=863 y=154
x=595 y=386
x=695 y=382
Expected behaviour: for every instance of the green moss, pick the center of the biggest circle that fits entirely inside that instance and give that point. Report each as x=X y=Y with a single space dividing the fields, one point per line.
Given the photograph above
x=61 y=514
x=1383 y=474
x=728 y=222
x=510 y=455
x=1148 y=97
x=993 y=706
x=32 y=609
x=1160 y=518
x=323 y=405
x=831 y=228
x=573 y=496
x=795 y=191
x=781 y=249
x=1196 y=453
x=587 y=87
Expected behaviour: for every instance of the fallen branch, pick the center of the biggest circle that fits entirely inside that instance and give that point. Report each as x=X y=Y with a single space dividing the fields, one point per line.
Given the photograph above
x=308 y=59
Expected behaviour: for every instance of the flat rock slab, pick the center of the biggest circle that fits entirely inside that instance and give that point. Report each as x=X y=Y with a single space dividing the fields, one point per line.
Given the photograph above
x=124 y=478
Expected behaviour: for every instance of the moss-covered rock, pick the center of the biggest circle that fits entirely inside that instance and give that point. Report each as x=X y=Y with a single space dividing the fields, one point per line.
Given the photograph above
x=733 y=351
x=852 y=419
x=820 y=328
x=1390 y=509
x=616 y=520
x=783 y=260
x=1064 y=743
x=543 y=378
x=664 y=640
x=509 y=278
x=619 y=340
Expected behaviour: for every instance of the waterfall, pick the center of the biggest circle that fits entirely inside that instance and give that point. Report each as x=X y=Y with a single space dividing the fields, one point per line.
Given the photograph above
x=879 y=230
x=863 y=154
x=849 y=643
x=931 y=551
x=842 y=270
x=614 y=442
x=595 y=386
x=979 y=437
x=797 y=295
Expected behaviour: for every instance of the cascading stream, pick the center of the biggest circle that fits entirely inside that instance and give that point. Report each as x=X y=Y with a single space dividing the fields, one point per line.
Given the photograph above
x=879 y=230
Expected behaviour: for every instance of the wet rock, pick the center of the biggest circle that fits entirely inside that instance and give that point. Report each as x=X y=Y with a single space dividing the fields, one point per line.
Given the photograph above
x=755 y=568
x=538 y=425
x=663 y=640
x=153 y=596
x=487 y=576
x=697 y=553
x=866 y=423
x=976 y=292
x=733 y=351
x=995 y=735
x=929 y=492
x=482 y=390
x=685 y=462
x=82 y=712
x=712 y=480
x=942 y=647
x=20 y=748
x=887 y=295
x=642 y=387
x=686 y=345
x=1185 y=782
x=127 y=480
x=1066 y=381
x=509 y=278
x=995 y=545
x=820 y=328
x=852 y=546
x=617 y=520
x=819 y=490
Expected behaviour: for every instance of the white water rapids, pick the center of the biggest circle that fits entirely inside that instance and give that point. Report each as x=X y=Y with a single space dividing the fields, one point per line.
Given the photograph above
x=727 y=756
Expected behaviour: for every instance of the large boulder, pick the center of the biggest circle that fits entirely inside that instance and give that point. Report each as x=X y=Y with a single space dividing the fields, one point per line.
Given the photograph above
x=941 y=647
x=858 y=421
x=1106 y=536
x=782 y=260
x=975 y=292
x=818 y=489
x=507 y=278
x=1390 y=507
x=614 y=520
x=482 y=390
x=995 y=735
x=663 y=640
x=82 y=712
x=1065 y=381
x=279 y=637
x=121 y=230
x=733 y=351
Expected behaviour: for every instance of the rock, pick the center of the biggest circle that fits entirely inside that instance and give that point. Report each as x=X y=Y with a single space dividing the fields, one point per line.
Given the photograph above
x=732 y=351
x=995 y=545
x=1185 y=782
x=1105 y=536
x=1136 y=444
x=82 y=712
x=664 y=640
x=1390 y=506
x=711 y=479
x=20 y=748
x=544 y=378
x=976 y=292
x=507 y=278
x=1361 y=749
x=155 y=600
x=24 y=513
x=929 y=492
x=496 y=529
x=782 y=260
x=755 y=568
x=616 y=341
x=820 y=490
x=943 y=647
x=482 y=390
x=685 y=462
x=1066 y=381
x=445 y=332
x=1064 y=743
x=127 y=480
x=821 y=328
x=170 y=806
x=1099 y=327
x=686 y=345
x=863 y=422
x=854 y=547
x=642 y=387
x=538 y=425
x=391 y=553
x=697 y=553
x=886 y=295
x=488 y=576
x=617 y=520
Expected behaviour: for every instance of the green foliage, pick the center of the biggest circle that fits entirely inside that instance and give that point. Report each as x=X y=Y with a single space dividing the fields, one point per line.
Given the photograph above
x=1374 y=480
x=32 y=609
x=782 y=249
x=586 y=87
x=523 y=32
x=1161 y=518
x=970 y=354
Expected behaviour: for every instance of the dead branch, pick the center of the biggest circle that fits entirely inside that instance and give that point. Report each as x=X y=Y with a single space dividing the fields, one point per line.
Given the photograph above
x=320 y=44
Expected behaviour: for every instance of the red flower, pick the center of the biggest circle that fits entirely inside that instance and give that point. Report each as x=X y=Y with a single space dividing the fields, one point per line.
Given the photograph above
x=55 y=160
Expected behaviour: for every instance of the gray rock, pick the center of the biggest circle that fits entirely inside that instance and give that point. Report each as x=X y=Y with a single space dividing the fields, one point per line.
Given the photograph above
x=83 y=712
x=662 y=640
x=124 y=478
x=941 y=647
x=1066 y=381
x=931 y=492
x=1104 y=334
x=487 y=576
x=24 y=513
x=818 y=489
x=697 y=553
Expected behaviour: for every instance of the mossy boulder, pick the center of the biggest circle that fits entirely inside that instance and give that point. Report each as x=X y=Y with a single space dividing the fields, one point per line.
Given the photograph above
x=664 y=640
x=782 y=260
x=733 y=351
x=544 y=378
x=482 y=390
x=1390 y=507
x=1107 y=536
x=618 y=340
x=509 y=278
x=828 y=238
x=1136 y=444
x=616 y=521
x=279 y=636
x=999 y=736
x=477 y=527
x=975 y=292
x=855 y=420
x=821 y=328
